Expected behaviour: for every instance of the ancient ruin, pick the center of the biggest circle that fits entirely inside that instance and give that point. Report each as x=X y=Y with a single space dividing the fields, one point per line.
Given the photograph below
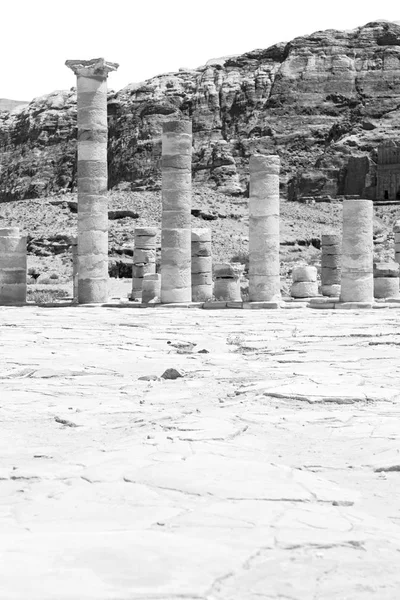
x=264 y=275
x=144 y=257
x=12 y=266
x=202 y=283
x=92 y=178
x=388 y=171
x=331 y=247
x=305 y=283
x=386 y=280
x=151 y=288
x=176 y=212
x=227 y=282
x=357 y=283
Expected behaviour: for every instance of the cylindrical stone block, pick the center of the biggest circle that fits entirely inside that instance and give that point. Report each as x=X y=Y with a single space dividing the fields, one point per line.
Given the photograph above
x=330 y=264
x=396 y=230
x=151 y=288
x=92 y=178
x=305 y=273
x=12 y=266
x=202 y=285
x=386 y=287
x=304 y=289
x=357 y=282
x=227 y=290
x=176 y=212
x=144 y=258
x=264 y=277
x=331 y=289
x=227 y=282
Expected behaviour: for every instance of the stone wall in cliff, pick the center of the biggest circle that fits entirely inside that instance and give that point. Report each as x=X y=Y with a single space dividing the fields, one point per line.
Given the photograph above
x=323 y=102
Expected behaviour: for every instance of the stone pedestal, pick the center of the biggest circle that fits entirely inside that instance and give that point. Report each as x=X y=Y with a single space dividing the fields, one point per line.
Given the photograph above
x=92 y=178
x=151 y=288
x=144 y=258
x=386 y=280
x=227 y=282
x=331 y=247
x=264 y=279
x=176 y=212
x=396 y=230
x=304 y=282
x=202 y=284
x=357 y=283
x=12 y=266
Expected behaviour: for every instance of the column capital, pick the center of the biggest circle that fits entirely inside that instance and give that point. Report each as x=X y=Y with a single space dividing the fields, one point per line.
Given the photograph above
x=95 y=67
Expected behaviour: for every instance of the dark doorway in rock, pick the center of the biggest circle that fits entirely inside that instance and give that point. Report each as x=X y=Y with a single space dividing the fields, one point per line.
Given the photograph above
x=386 y=195
x=398 y=195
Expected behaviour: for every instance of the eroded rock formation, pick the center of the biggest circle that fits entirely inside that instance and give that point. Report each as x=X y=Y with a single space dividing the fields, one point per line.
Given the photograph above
x=323 y=102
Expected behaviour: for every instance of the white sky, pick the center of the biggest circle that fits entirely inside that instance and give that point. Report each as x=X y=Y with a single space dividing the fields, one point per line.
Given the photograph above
x=150 y=37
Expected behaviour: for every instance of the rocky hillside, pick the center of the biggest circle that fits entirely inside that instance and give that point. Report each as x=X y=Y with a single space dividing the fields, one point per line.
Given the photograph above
x=319 y=101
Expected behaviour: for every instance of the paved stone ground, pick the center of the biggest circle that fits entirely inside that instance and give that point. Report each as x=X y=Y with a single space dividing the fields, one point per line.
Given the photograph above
x=271 y=469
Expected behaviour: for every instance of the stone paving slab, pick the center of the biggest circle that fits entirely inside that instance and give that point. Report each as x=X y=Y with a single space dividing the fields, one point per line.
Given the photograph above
x=270 y=469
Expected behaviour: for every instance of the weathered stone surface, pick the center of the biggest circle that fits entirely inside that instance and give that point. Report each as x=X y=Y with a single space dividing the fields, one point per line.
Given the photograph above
x=357 y=283
x=386 y=269
x=386 y=287
x=304 y=273
x=264 y=280
x=128 y=464
x=323 y=102
x=304 y=289
x=13 y=263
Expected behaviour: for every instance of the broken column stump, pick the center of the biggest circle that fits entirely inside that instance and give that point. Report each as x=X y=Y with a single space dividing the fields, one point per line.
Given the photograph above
x=13 y=262
x=202 y=283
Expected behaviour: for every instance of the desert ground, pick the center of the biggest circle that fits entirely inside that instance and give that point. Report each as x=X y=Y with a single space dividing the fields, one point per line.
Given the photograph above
x=268 y=469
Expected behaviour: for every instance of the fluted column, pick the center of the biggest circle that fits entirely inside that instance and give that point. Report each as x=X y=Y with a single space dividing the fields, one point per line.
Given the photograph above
x=176 y=212
x=357 y=281
x=264 y=279
x=92 y=178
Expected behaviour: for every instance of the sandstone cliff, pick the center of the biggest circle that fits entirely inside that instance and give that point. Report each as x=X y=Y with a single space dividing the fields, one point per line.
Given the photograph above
x=323 y=102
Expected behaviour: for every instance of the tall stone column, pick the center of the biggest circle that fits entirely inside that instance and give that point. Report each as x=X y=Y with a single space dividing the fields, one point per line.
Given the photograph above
x=176 y=212
x=12 y=266
x=264 y=279
x=92 y=178
x=357 y=281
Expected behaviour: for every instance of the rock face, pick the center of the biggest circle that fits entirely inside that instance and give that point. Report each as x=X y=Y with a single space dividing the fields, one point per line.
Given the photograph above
x=323 y=102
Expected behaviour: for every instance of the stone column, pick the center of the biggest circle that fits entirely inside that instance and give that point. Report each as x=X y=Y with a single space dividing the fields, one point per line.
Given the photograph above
x=176 y=212
x=264 y=279
x=330 y=264
x=74 y=249
x=92 y=178
x=12 y=266
x=202 y=284
x=396 y=230
x=144 y=258
x=357 y=283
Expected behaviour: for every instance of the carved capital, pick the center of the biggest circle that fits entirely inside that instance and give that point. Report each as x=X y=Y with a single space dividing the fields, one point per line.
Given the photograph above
x=95 y=67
